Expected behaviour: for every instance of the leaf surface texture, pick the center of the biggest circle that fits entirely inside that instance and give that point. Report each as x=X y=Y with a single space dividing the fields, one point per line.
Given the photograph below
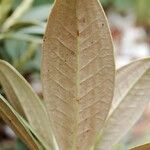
x=77 y=71
x=134 y=90
x=11 y=117
x=25 y=101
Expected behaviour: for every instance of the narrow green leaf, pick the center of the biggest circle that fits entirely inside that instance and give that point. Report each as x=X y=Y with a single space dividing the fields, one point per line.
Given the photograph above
x=133 y=88
x=26 y=56
x=5 y=6
x=26 y=101
x=38 y=13
x=21 y=9
x=23 y=23
x=36 y=30
x=11 y=117
x=21 y=37
x=41 y=144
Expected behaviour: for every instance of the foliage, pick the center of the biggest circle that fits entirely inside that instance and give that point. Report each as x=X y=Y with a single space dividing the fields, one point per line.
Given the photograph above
x=21 y=36
x=140 y=8
x=20 y=145
x=78 y=74
x=143 y=14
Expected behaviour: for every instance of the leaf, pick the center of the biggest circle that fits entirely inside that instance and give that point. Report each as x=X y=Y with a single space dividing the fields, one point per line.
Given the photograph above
x=21 y=37
x=126 y=77
x=14 y=49
x=11 y=117
x=143 y=147
x=32 y=30
x=38 y=13
x=124 y=5
x=20 y=10
x=105 y=2
x=26 y=56
x=39 y=2
x=143 y=13
x=78 y=72
x=23 y=24
x=133 y=84
x=5 y=6
x=25 y=101
x=20 y=145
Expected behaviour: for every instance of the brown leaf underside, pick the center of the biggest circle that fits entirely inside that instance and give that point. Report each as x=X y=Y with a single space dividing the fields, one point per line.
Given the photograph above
x=78 y=71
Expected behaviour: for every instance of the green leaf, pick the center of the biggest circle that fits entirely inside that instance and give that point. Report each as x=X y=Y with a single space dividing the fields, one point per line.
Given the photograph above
x=39 y=2
x=25 y=57
x=5 y=6
x=25 y=101
x=105 y=2
x=21 y=37
x=14 y=49
x=124 y=5
x=20 y=145
x=12 y=119
x=36 y=30
x=132 y=92
x=20 y=10
x=38 y=13
x=143 y=13
x=23 y=24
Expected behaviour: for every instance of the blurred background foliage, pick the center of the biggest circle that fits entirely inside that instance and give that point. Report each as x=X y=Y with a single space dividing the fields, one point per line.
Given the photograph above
x=139 y=7
x=22 y=24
